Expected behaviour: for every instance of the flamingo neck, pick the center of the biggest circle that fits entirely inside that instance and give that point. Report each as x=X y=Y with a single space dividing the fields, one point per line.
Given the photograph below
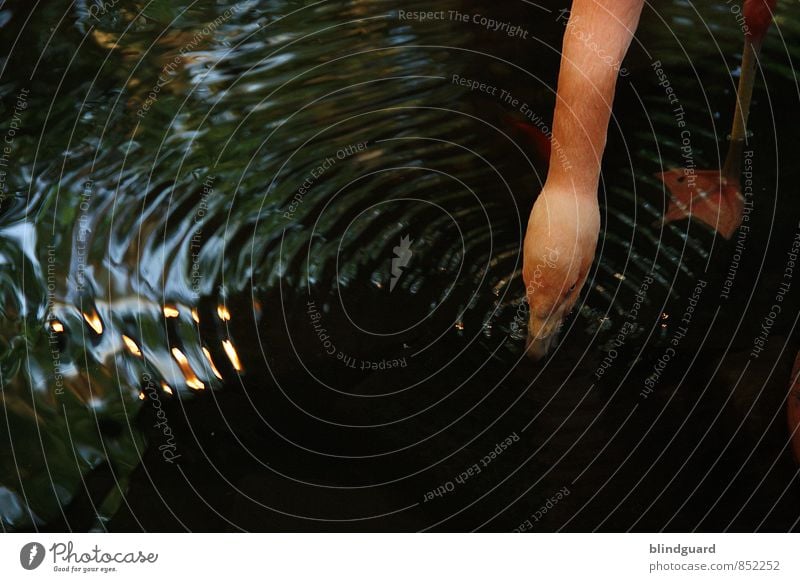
x=596 y=39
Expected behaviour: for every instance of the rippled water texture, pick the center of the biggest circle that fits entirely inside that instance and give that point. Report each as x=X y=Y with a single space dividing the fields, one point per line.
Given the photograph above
x=261 y=264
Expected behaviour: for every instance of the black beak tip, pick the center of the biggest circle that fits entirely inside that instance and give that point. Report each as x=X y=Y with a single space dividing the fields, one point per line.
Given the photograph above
x=537 y=349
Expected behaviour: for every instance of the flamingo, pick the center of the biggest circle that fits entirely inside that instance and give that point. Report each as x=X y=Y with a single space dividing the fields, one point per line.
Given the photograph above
x=715 y=198
x=564 y=224
x=793 y=409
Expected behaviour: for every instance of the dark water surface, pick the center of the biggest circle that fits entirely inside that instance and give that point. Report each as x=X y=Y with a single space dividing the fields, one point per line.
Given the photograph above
x=261 y=264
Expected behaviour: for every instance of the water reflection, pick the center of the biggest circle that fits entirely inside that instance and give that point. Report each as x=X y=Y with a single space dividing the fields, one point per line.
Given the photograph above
x=199 y=175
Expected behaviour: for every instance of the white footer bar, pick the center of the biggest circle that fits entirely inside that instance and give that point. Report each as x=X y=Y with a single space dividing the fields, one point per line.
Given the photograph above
x=400 y=557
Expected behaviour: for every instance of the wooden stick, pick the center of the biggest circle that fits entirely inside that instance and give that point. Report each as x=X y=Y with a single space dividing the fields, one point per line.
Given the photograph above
x=744 y=95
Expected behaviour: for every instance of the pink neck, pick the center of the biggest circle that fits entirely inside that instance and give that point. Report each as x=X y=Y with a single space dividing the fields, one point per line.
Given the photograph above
x=595 y=43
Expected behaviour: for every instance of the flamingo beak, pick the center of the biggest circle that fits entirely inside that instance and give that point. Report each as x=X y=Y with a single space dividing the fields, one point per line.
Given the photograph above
x=543 y=333
x=538 y=347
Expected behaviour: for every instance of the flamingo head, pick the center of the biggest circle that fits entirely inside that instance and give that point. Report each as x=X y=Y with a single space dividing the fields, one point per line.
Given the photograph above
x=558 y=253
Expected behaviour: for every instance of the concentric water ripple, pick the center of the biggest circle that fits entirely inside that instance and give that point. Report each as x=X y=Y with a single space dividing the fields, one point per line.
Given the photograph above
x=261 y=267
